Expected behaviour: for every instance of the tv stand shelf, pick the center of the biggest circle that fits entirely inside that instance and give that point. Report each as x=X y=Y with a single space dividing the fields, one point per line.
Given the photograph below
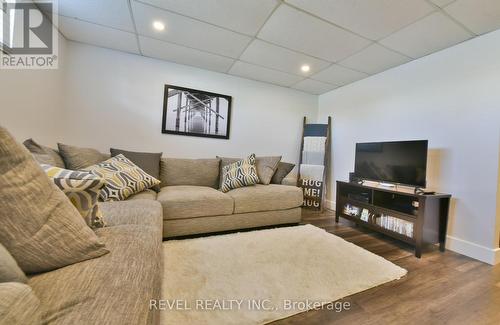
x=416 y=219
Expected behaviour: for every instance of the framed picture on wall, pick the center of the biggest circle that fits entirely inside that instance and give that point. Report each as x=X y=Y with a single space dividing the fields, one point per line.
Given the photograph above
x=196 y=113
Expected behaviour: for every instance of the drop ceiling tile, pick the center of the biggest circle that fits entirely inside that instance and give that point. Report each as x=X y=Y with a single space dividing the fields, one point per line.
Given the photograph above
x=279 y=58
x=374 y=59
x=183 y=55
x=299 y=31
x=339 y=75
x=442 y=3
x=77 y=30
x=188 y=32
x=433 y=33
x=239 y=15
x=114 y=13
x=373 y=19
x=314 y=87
x=480 y=16
x=255 y=72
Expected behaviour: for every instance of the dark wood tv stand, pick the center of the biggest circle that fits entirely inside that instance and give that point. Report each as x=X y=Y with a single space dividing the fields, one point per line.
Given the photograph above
x=426 y=215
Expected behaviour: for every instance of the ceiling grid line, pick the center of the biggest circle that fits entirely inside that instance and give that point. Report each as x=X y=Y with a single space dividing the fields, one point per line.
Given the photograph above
x=255 y=36
x=450 y=16
x=193 y=18
x=135 y=26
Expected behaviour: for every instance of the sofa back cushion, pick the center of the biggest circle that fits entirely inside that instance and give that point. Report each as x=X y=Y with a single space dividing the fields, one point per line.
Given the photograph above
x=9 y=270
x=197 y=172
x=39 y=226
x=79 y=158
x=43 y=154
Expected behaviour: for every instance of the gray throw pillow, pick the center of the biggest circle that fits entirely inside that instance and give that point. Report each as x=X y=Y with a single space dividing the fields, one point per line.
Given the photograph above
x=43 y=154
x=39 y=226
x=266 y=166
x=148 y=162
x=281 y=172
x=79 y=158
x=9 y=270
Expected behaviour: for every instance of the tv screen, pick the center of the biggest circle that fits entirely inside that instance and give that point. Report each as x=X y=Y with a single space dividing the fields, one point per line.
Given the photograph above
x=402 y=162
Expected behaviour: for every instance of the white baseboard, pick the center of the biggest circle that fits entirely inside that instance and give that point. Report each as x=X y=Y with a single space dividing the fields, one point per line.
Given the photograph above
x=329 y=204
x=464 y=247
x=478 y=252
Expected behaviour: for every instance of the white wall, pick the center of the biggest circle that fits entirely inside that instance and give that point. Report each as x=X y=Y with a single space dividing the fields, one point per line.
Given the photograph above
x=451 y=98
x=116 y=99
x=31 y=101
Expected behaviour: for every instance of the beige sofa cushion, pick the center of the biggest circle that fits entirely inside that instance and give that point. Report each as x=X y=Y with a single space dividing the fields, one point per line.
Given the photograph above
x=180 y=202
x=203 y=225
x=196 y=172
x=132 y=212
x=9 y=270
x=148 y=194
x=18 y=304
x=39 y=226
x=265 y=198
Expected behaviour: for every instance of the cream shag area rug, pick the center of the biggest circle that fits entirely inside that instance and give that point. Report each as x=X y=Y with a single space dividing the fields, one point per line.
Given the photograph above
x=261 y=276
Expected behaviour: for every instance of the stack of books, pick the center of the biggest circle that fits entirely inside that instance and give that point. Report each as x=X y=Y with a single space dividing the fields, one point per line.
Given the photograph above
x=400 y=226
x=351 y=210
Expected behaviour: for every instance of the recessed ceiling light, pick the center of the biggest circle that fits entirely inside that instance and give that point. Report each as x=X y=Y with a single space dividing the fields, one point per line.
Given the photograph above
x=158 y=25
x=305 y=68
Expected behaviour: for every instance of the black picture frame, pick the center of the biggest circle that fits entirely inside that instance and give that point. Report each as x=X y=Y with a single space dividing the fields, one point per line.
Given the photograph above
x=182 y=123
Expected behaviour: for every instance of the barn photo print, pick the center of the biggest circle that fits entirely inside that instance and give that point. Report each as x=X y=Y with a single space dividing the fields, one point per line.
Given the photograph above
x=196 y=113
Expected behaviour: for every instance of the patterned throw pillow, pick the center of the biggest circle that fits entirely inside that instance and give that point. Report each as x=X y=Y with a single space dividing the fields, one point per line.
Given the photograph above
x=265 y=166
x=82 y=188
x=123 y=178
x=239 y=174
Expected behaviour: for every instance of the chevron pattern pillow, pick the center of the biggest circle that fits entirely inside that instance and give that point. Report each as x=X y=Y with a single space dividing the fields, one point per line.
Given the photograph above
x=123 y=178
x=239 y=174
x=82 y=188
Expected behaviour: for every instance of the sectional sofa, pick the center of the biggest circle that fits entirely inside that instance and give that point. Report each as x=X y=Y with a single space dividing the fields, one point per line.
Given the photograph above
x=192 y=204
x=116 y=288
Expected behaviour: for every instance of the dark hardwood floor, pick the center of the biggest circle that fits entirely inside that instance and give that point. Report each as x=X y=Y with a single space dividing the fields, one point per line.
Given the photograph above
x=440 y=288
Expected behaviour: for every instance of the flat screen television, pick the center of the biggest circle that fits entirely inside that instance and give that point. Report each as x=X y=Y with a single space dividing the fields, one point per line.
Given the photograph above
x=400 y=162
